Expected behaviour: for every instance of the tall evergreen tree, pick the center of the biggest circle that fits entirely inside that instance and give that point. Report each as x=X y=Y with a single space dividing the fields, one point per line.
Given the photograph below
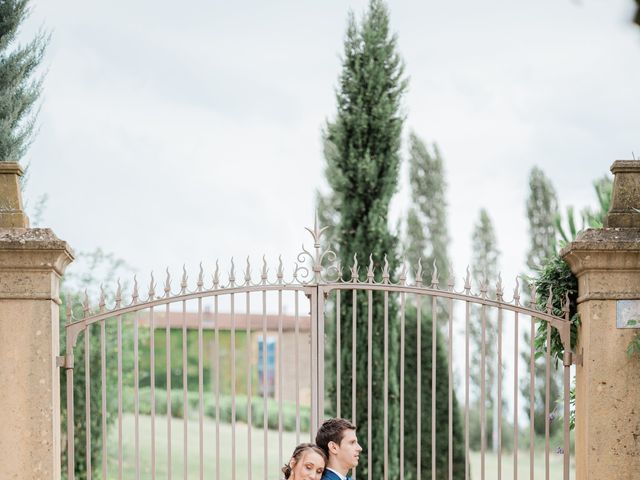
x=362 y=146
x=426 y=223
x=19 y=87
x=484 y=267
x=542 y=209
x=427 y=240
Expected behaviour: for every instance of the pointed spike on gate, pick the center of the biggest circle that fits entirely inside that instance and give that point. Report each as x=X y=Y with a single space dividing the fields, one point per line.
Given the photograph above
x=434 y=277
x=102 y=302
x=403 y=272
x=280 y=271
x=451 y=279
x=247 y=272
x=184 y=279
x=499 y=288
x=419 y=272
x=167 y=284
x=200 y=282
x=549 y=304
x=152 y=287
x=134 y=294
x=484 y=284
x=265 y=270
x=370 y=269
x=232 y=274
x=118 y=294
x=467 y=281
x=216 y=276
x=85 y=303
x=516 y=292
x=534 y=291
x=339 y=270
x=354 y=269
x=385 y=270
x=566 y=305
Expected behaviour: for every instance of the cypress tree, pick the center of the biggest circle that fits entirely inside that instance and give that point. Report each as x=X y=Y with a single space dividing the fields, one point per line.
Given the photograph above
x=542 y=209
x=361 y=149
x=19 y=88
x=426 y=223
x=427 y=238
x=484 y=267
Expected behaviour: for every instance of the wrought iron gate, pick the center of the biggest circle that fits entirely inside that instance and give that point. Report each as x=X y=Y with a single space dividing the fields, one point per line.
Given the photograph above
x=254 y=379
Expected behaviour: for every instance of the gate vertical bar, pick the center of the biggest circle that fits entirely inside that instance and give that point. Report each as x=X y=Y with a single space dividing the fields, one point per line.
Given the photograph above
x=297 y=362
x=87 y=400
x=103 y=387
x=320 y=300
x=419 y=385
x=265 y=410
x=369 y=378
x=200 y=391
x=402 y=354
x=515 y=395
x=136 y=390
x=280 y=378
x=167 y=346
x=466 y=389
x=547 y=396
x=386 y=386
x=499 y=396
x=483 y=393
x=233 y=387
x=248 y=346
x=450 y=384
x=216 y=340
x=119 y=342
x=185 y=400
x=152 y=378
x=532 y=412
x=312 y=294
x=338 y=356
x=434 y=332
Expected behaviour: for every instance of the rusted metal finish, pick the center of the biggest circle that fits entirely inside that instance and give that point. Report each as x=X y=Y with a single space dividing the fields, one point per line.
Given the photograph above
x=326 y=290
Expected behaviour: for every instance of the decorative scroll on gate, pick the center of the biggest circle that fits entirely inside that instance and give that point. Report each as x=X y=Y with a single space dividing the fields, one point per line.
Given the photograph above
x=222 y=380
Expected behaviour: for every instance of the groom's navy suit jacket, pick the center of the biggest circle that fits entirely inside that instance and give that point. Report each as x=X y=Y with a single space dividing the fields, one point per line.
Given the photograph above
x=329 y=475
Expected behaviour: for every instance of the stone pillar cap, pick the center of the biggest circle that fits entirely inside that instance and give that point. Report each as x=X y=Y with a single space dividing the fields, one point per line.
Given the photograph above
x=625 y=198
x=11 y=167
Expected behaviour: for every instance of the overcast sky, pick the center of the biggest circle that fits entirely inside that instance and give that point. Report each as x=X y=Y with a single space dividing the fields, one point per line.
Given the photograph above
x=173 y=133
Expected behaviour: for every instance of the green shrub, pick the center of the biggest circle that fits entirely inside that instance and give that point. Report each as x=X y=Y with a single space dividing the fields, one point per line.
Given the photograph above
x=224 y=406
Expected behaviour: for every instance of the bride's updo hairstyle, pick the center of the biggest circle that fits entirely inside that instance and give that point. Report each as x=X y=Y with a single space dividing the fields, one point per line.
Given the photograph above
x=297 y=455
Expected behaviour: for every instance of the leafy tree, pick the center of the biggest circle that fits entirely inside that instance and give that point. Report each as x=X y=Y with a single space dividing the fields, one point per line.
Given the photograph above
x=19 y=85
x=542 y=209
x=361 y=149
x=484 y=269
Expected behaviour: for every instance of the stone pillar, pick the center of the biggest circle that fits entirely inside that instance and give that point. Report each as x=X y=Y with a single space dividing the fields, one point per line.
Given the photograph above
x=607 y=264
x=32 y=261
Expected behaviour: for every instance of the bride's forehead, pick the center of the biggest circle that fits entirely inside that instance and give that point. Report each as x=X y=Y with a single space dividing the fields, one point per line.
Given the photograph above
x=311 y=456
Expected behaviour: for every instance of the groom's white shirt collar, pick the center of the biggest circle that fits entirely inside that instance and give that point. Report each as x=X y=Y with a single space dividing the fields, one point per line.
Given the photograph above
x=340 y=476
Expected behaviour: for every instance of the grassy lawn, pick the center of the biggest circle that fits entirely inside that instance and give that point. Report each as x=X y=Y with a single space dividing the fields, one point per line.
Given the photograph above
x=177 y=455
x=257 y=467
x=491 y=465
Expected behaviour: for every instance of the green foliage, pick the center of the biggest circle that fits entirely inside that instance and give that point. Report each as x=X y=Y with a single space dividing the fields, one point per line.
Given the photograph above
x=362 y=151
x=19 y=88
x=442 y=403
x=96 y=261
x=222 y=408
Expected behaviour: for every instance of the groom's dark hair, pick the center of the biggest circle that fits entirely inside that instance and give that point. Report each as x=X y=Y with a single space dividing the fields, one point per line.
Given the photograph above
x=332 y=430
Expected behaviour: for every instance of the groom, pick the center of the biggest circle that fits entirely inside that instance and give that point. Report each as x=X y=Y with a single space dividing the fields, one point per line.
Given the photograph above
x=337 y=437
